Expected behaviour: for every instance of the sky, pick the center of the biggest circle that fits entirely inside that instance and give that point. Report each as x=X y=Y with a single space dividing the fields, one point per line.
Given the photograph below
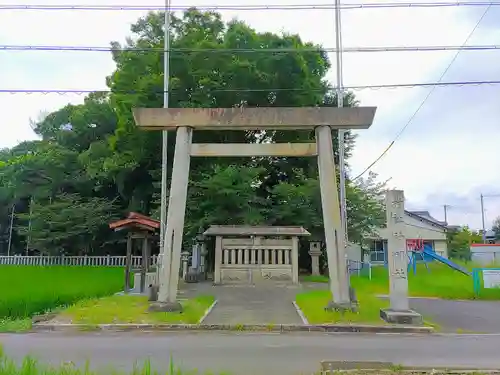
x=446 y=156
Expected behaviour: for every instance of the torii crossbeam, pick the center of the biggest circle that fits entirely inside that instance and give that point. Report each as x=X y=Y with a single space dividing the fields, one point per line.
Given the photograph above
x=186 y=120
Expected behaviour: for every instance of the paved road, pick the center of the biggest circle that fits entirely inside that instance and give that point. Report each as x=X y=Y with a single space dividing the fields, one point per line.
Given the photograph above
x=255 y=353
x=467 y=316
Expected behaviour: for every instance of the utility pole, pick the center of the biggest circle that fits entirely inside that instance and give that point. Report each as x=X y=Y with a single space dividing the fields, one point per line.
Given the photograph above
x=446 y=206
x=165 y=258
x=482 y=218
x=342 y=253
x=10 y=229
x=340 y=104
x=28 y=240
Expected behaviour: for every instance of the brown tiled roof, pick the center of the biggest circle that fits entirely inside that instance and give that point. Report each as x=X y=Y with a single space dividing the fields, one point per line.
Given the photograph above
x=135 y=219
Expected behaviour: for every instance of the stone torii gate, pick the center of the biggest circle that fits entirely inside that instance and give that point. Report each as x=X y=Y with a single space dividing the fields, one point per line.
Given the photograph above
x=186 y=120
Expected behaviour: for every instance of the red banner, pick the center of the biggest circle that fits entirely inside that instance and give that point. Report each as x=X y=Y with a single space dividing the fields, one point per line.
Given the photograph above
x=416 y=244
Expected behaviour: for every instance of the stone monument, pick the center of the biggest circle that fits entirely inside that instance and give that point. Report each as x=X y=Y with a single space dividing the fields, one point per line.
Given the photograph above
x=399 y=311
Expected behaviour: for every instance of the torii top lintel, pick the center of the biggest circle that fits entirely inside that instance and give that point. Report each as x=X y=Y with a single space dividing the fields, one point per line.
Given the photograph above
x=257 y=118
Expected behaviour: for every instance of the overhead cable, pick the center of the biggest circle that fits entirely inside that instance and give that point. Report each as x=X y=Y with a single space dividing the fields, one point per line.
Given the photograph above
x=117 y=7
x=266 y=90
x=8 y=47
x=412 y=117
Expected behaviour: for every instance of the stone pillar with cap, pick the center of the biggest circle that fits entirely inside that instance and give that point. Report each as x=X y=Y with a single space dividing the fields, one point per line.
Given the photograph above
x=185 y=261
x=399 y=311
x=315 y=253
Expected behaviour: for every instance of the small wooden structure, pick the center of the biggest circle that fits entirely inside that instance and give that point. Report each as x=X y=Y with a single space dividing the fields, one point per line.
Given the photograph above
x=143 y=228
x=250 y=254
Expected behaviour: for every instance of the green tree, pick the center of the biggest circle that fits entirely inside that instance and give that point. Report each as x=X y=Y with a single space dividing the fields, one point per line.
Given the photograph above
x=496 y=228
x=67 y=222
x=93 y=157
x=459 y=241
x=301 y=204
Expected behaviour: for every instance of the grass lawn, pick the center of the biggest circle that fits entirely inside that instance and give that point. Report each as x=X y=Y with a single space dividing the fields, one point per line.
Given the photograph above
x=15 y=325
x=440 y=281
x=29 y=290
x=132 y=309
x=312 y=304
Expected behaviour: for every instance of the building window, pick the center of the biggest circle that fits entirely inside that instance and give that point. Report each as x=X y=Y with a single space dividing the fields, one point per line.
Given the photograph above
x=378 y=251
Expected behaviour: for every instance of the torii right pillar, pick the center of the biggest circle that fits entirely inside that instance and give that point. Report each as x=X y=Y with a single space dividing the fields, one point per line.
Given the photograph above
x=399 y=311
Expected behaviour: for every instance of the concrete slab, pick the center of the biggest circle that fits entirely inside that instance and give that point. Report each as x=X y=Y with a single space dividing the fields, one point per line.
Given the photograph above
x=408 y=317
x=254 y=305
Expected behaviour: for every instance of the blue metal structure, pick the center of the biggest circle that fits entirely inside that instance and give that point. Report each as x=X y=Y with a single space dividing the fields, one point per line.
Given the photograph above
x=446 y=261
x=427 y=254
x=412 y=260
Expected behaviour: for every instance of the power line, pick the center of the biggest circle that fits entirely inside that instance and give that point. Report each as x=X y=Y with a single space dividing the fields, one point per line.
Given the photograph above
x=266 y=90
x=7 y=47
x=438 y=4
x=424 y=101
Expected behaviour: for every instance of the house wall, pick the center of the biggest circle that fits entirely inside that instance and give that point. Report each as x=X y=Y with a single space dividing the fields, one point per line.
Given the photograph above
x=414 y=229
x=441 y=248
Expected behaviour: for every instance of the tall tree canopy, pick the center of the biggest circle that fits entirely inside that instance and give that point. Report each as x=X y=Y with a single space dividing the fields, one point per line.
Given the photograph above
x=93 y=164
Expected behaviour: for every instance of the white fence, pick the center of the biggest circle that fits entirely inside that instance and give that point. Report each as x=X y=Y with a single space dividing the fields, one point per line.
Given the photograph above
x=104 y=260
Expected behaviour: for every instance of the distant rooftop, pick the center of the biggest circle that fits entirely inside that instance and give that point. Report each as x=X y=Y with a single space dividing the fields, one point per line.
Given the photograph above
x=427 y=216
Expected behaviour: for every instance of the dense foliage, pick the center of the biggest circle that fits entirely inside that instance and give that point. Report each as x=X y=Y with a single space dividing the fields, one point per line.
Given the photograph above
x=92 y=165
x=459 y=241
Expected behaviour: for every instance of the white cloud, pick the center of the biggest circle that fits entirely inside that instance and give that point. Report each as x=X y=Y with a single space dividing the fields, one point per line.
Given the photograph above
x=441 y=157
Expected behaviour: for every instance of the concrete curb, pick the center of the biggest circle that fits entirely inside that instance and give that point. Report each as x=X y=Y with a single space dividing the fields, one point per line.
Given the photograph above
x=410 y=370
x=386 y=296
x=301 y=314
x=376 y=367
x=207 y=311
x=281 y=328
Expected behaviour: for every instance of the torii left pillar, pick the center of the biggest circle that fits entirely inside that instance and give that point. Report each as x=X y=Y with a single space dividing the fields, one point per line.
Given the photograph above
x=169 y=272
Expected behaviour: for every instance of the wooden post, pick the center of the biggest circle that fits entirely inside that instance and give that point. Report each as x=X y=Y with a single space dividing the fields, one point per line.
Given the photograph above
x=128 y=261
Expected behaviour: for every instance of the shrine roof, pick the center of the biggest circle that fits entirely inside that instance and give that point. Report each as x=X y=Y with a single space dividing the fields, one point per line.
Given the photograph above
x=137 y=221
x=246 y=230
